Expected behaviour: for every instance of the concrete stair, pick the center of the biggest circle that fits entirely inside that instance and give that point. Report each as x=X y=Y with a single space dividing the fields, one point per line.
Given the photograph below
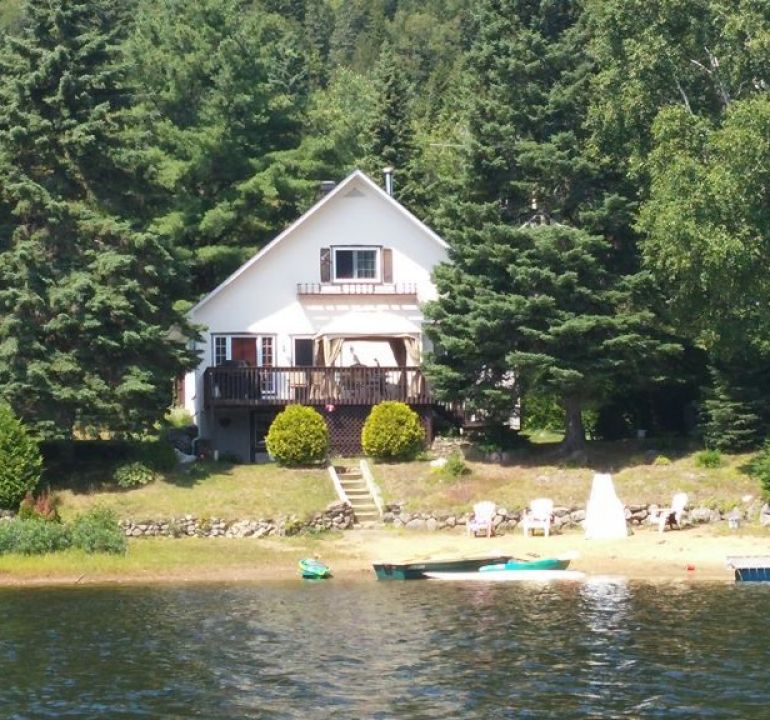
x=360 y=498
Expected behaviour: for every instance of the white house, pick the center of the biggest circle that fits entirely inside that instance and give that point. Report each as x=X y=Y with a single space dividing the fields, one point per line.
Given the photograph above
x=327 y=314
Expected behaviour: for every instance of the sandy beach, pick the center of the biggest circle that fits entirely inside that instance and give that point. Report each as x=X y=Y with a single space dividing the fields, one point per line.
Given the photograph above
x=689 y=555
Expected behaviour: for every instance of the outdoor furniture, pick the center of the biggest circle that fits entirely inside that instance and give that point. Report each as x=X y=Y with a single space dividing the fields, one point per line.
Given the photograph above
x=483 y=518
x=538 y=517
x=671 y=515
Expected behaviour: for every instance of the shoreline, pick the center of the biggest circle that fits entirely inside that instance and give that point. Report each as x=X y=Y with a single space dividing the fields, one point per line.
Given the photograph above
x=695 y=554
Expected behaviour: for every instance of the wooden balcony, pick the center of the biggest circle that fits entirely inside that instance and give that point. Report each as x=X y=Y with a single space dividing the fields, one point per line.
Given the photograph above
x=370 y=288
x=358 y=385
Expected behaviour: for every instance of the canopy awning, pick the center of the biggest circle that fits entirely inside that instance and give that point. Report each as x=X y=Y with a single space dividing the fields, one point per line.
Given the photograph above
x=360 y=323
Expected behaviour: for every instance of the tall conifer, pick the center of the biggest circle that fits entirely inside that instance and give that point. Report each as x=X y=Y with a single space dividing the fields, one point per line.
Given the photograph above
x=86 y=293
x=523 y=306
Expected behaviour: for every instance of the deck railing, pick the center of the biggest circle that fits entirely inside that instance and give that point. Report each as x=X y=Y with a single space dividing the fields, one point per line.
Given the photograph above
x=358 y=385
x=356 y=288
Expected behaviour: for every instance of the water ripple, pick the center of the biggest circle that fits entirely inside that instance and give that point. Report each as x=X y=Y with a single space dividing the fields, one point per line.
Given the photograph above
x=388 y=650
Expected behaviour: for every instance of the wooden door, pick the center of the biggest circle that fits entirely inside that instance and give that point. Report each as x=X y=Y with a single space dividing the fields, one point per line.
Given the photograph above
x=245 y=349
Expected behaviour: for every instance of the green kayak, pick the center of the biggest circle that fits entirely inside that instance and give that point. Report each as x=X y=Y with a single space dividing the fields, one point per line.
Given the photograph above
x=557 y=563
x=312 y=569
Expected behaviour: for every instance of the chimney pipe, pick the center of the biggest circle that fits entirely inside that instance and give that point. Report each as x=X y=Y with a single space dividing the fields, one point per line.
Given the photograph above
x=325 y=187
x=388 y=173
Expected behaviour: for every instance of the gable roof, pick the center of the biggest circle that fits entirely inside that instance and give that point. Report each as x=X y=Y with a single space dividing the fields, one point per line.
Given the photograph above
x=328 y=198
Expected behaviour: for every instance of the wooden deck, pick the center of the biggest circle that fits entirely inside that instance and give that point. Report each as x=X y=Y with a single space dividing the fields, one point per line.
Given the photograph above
x=358 y=385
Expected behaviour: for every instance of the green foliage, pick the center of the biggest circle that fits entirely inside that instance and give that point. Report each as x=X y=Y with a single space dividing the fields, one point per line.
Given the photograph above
x=97 y=531
x=736 y=406
x=759 y=467
x=133 y=474
x=455 y=466
x=392 y=432
x=86 y=288
x=706 y=223
x=298 y=436
x=542 y=412
x=33 y=537
x=44 y=506
x=20 y=459
x=661 y=460
x=225 y=89
x=709 y=459
x=540 y=305
x=158 y=455
x=179 y=417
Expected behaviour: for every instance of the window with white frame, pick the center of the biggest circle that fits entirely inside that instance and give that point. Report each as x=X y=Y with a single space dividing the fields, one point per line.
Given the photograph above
x=220 y=349
x=356 y=263
x=254 y=349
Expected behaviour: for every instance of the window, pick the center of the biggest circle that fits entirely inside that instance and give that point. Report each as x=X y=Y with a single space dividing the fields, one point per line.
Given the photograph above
x=303 y=352
x=220 y=350
x=356 y=264
x=252 y=350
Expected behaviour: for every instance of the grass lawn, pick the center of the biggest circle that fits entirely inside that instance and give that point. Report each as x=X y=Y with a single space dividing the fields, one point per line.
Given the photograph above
x=536 y=473
x=210 y=490
x=150 y=557
x=267 y=491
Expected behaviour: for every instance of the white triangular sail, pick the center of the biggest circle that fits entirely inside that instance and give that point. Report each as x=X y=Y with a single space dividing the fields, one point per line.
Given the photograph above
x=605 y=514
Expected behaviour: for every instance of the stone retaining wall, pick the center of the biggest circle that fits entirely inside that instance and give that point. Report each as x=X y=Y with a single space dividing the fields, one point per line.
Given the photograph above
x=337 y=516
x=564 y=517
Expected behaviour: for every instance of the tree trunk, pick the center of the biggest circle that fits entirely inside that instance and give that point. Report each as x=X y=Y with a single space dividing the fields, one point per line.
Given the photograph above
x=574 y=435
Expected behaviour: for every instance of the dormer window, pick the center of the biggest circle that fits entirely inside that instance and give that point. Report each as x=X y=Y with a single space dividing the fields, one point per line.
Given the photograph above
x=356 y=264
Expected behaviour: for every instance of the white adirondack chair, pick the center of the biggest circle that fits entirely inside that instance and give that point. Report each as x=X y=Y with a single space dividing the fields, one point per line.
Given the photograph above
x=671 y=515
x=483 y=518
x=538 y=517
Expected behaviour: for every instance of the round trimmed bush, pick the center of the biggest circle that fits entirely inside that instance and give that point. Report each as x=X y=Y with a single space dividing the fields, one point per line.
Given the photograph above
x=392 y=432
x=20 y=460
x=298 y=436
x=133 y=475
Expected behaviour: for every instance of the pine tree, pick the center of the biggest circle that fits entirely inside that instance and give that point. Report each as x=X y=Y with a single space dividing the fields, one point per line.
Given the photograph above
x=225 y=90
x=86 y=292
x=391 y=137
x=534 y=308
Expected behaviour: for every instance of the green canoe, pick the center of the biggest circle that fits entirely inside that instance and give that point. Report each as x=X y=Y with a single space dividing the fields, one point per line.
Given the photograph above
x=312 y=569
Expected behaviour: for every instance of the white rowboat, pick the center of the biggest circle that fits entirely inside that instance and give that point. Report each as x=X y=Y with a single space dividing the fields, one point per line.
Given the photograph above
x=538 y=576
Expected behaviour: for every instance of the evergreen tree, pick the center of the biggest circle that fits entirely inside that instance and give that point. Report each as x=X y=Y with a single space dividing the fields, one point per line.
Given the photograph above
x=86 y=291
x=735 y=406
x=535 y=308
x=225 y=90
x=391 y=137
x=319 y=24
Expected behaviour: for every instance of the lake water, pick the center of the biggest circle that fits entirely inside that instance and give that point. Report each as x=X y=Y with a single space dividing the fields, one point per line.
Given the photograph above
x=386 y=650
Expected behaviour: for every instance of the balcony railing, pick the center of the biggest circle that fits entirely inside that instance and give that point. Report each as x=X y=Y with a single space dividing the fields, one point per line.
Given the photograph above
x=358 y=385
x=356 y=288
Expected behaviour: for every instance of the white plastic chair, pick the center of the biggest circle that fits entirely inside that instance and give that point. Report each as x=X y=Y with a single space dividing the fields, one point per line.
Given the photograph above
x=539 y=516
x=483 y=518
x=671 y=515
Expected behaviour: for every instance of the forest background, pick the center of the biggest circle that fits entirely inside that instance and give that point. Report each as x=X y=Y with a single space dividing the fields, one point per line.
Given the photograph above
x=600 y=168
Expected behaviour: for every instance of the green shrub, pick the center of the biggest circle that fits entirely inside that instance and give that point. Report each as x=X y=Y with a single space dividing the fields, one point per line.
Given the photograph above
x=392 y=431
x=298 y=436
x=33 y=537
x=455 y=466
x=759 y=468
x=98 y=531
x=44 y=506
x=179 y=417
x=20 y=460
x=158 y=455
x=542 y=412
x=661 y=460
x=708 y=459
x=133 y=474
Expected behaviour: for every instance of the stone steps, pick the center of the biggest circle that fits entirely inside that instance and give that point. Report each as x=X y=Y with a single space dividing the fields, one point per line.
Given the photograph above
x=356 y=490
